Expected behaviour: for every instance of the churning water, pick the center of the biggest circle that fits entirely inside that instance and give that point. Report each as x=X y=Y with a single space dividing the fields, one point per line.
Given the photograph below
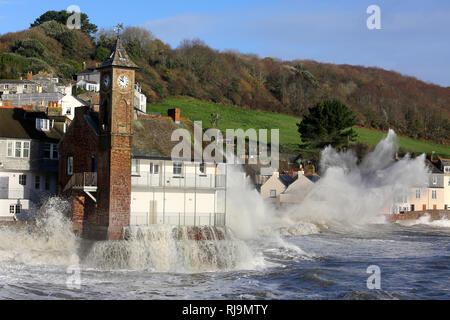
x=319 y=249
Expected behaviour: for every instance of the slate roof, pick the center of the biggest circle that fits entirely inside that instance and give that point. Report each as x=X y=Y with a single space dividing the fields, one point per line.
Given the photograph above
x=118 y=58
x=152 y=135
x=286 y=179
x=432 y=166
x=17 y=81
x=17 y=123
x=313 y=177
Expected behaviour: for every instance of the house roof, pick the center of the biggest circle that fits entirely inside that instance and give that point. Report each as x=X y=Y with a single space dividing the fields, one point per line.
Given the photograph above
x=302 y=184
x=88 y=70
x=17 y=123
x=444 y=162
x=286 y=179
x=118 y=58
x=152 y=135
x=313 y=177
x=433 y=168
x=17 y=81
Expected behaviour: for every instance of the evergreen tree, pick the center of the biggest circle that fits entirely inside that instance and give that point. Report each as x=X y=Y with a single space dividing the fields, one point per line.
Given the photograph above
x=328 y=123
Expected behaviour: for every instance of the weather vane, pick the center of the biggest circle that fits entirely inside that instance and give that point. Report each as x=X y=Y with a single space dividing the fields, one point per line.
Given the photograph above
x=118 y=28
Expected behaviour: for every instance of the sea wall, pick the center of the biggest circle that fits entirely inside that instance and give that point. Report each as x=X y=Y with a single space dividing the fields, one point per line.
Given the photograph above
x=414 y=215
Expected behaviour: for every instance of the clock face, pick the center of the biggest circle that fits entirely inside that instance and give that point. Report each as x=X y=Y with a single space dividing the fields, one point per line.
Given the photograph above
x=106 y=81
x=122 y=81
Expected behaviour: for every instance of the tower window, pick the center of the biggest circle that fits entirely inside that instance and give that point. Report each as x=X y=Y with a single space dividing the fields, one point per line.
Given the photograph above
x=70 y=165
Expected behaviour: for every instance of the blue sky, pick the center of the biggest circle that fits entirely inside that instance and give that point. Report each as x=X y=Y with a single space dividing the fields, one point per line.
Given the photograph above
x=414 y=38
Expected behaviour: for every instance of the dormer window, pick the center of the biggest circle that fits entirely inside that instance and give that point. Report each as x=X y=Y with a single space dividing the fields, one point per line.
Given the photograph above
x=434 y=180
x=42 y=124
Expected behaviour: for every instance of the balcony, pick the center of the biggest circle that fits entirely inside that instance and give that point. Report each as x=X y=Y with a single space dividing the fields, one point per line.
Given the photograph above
x=186 y=181
x=86 y=181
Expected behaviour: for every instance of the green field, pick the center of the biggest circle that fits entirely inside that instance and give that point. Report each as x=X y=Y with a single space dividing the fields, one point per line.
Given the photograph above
x=232 y=117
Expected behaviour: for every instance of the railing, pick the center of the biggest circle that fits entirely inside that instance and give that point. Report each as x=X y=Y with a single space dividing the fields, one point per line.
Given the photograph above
x=199 y=181
x=82 y=180
x=177 y=219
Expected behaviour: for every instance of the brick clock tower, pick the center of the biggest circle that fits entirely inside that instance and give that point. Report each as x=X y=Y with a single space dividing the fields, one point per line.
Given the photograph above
x=117 y=78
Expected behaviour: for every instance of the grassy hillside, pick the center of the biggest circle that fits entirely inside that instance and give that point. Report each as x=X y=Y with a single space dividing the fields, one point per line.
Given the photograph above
x=232 y=117
x=381 y=99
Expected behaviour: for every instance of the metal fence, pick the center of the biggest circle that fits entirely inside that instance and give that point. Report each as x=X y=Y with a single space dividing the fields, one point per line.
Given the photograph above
x=177 y=219
x=206 y=181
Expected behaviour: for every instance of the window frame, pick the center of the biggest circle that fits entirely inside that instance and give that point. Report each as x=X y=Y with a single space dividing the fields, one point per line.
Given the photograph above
x=18 y=149
x=177 y=168
x=433 y=194
x=135 y=165
x=274 y=195
x=69 y=165
x=23 y=179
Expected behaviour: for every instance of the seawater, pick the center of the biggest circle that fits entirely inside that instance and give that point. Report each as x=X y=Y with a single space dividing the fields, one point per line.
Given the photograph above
x=318 y=249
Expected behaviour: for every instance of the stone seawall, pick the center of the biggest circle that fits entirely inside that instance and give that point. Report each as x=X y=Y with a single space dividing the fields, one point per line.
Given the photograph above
x=414 y=215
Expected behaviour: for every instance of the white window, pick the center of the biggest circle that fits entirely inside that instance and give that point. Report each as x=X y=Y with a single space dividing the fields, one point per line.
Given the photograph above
x=50 y=151
x=25 y=149
x=418 y=194
x=12 y=209
x=434 y=180
x=202 y=167
x=6 y=86
x=23 y=179
x=273 y=193
x=70 y=165
x=177 y=167
x=134 y=166
x=433 y=194
x=156 y=169
x=42 y=124
x=10 y=149
x=18 y=149
x=68 y=111
x=25 y=86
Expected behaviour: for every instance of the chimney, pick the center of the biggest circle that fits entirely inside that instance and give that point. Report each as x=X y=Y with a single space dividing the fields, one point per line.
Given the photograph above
x=174 y=114
x=276 y=173
x=84 y=65
x=30 y=76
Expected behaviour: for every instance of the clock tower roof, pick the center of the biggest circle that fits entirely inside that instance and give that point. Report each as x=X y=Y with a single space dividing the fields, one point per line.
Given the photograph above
x=118 y=58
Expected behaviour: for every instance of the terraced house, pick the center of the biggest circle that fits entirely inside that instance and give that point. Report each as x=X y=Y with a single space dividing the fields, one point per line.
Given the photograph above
x=28 y=160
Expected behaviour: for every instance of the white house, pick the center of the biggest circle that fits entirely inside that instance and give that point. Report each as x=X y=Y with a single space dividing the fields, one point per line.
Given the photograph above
x=69 y=103
x=167 y=191
x=28 y=160
x=297 y=191
x=274 y=186
x=140 y=100
x=89 y=79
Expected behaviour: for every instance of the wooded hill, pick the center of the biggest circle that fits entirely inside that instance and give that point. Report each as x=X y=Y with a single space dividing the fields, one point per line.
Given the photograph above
x=381 y=99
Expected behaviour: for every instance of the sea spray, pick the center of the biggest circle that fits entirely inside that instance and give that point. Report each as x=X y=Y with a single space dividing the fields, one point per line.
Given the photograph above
x=164 y=248
x=49 y=240
x=350 y=194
